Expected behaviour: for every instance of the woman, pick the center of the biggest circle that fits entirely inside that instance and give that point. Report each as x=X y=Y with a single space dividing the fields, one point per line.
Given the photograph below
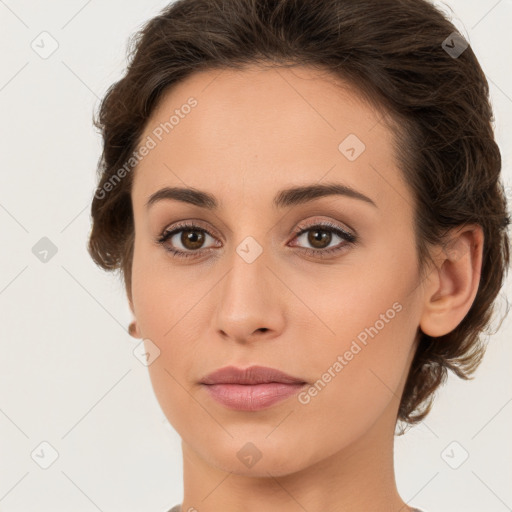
x=304 y=199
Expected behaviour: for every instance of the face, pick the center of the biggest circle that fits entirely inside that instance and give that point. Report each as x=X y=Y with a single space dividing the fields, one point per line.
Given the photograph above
x=321 y=286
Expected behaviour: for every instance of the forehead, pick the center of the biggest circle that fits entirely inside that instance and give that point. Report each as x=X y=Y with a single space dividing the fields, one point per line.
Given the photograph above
x=250 y=131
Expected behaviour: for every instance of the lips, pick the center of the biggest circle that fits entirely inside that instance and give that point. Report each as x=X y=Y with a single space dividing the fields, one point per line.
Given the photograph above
x=250 y=389
x=248 y=376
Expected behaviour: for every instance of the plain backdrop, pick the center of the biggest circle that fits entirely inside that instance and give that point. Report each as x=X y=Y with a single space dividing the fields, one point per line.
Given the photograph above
x=80 y=427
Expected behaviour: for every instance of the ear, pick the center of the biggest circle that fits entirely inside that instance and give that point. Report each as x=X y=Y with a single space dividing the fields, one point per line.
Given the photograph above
x=452 y=284
x=133 y=328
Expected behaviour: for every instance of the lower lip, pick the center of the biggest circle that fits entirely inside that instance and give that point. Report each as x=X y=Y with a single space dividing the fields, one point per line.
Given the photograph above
x=243 y=397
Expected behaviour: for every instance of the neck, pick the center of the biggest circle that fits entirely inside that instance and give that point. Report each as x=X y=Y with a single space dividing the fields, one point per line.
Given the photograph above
x=357 y=478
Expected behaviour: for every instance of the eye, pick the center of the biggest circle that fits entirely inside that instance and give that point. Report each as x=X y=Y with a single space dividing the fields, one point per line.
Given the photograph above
x=320 y=237
x=193 y=237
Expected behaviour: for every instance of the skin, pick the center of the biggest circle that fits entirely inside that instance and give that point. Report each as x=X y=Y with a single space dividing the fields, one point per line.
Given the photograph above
x=253 y=133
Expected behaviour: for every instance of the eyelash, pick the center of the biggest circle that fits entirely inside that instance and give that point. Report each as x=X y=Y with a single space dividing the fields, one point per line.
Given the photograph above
x=349 y=239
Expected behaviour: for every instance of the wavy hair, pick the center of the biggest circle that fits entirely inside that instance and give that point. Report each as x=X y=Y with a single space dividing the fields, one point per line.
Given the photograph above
x=396 y=55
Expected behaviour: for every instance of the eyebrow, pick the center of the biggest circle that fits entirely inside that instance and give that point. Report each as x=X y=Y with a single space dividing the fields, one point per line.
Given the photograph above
x=287 y=197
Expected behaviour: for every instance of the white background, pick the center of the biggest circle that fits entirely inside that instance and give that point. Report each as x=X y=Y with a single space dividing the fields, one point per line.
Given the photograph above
x=67 y=372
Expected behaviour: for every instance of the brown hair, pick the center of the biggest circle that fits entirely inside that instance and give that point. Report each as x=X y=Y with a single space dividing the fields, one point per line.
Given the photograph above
x=392 y=53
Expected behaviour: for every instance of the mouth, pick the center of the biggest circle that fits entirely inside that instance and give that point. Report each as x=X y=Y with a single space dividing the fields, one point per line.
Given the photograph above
x=250 y=389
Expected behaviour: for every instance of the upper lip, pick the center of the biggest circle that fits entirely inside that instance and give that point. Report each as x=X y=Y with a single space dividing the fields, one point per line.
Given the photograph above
x=250 y=375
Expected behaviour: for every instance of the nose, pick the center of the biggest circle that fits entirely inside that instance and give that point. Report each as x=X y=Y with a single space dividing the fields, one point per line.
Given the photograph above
x=250 y=301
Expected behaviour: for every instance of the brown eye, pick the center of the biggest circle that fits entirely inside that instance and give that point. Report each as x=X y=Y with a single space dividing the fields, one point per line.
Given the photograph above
x=319 y=238
x=192 y=239
x=185 y=240
x=188 y=240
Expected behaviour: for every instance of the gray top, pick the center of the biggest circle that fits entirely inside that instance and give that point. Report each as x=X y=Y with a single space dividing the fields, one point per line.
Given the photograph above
x=177 y=508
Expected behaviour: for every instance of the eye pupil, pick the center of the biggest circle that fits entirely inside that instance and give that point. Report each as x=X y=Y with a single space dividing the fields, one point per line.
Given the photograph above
x=195 y=237
x=318 y=241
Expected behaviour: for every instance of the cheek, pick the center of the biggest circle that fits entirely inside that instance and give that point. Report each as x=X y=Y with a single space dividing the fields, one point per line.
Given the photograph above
x=359 y=343
x=166 y=306
x=357 y=377
x=155 y=293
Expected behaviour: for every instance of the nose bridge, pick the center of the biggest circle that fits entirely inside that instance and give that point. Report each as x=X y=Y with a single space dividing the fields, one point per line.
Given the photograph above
x=247 y=298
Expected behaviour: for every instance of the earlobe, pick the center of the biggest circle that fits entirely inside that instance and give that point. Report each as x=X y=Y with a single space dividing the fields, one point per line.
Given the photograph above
x=133 y=330
x=453 y=283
